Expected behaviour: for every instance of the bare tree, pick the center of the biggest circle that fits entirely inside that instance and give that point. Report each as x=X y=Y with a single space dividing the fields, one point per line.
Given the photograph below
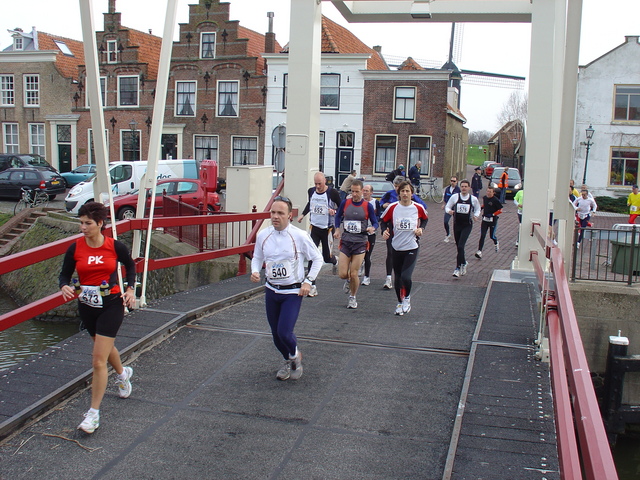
x=515 y=108
x=479 y=137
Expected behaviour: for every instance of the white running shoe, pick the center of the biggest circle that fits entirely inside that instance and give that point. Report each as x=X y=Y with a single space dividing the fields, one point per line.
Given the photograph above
x=456 y=272
x=388 y=284
x=366 y=281
x=463 y=269
x=285 y=372
x=313 y=292
x=497 y=246
x=406 y=305
x=447 y=238
x=124 y=386
x=346 y=287
x=296 y=366
x=399 y=310
x=90 y=423
x=352 y=303
x=479 y=254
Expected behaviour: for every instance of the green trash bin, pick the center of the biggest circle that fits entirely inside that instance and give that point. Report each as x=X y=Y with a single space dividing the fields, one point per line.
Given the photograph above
x=621 y=254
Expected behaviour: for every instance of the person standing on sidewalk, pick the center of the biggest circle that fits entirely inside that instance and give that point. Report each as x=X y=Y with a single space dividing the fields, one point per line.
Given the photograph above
x=450 y=190
x=367 y=192
x=491 y=208
x=283 y=248
x=465 y=209
x=503 y=184
x=322 y=205
x=404 y=222
x=100 y=302
x=414 y=175
x=345 y=188
x=476 y=182
x=354 y=216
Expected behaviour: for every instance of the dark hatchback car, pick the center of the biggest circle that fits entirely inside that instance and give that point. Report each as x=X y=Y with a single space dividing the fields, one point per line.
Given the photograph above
x=13 y=179
x=18 y=160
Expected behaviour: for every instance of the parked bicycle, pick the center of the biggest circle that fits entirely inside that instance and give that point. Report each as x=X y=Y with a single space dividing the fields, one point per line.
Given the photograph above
x=31 y=199
x=429 y=188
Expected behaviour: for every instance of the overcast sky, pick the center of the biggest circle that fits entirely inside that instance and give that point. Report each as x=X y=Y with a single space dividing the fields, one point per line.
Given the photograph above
x=497 y=48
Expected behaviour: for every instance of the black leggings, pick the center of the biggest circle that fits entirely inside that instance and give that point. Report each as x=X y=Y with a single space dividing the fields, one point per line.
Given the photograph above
x=389 y=259
x=367 y=255
x=492 y=227
x=321 y=236
x=461 y=232
x=404 y=261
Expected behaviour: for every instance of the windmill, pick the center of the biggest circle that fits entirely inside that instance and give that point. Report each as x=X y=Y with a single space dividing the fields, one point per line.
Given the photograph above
x=472 y=77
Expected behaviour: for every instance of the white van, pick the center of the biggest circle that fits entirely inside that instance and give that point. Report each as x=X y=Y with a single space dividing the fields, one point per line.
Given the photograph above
x=125 y=178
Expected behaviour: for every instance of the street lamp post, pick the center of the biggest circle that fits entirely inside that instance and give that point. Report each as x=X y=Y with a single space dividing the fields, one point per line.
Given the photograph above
x=589 y=133
x=515 y=157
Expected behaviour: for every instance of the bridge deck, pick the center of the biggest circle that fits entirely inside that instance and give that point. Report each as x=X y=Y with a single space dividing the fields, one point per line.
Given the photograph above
x=449 y=389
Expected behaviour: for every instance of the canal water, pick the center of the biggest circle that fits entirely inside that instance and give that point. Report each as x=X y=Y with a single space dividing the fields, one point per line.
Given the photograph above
x=28 y=338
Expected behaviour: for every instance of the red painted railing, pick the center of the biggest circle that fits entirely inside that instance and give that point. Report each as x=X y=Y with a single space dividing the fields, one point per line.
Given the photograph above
x=576 y=407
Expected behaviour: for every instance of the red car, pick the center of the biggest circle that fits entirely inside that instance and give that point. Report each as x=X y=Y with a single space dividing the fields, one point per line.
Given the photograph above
x=193 y=192
x=489 y=170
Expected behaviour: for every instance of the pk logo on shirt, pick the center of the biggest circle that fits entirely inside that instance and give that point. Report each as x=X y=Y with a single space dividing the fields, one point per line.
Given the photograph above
x=95 y=259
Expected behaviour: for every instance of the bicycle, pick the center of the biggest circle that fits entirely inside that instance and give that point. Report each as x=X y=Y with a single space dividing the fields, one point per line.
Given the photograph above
x=429 y=188
x=31 y=199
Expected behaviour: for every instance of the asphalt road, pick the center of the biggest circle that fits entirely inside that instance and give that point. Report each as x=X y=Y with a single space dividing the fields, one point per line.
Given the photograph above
x=7 y=206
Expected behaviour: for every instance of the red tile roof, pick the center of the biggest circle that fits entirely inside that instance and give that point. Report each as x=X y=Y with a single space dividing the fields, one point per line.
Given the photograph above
x=255 y=46
x=338 y=39
x=410 y=64
x=67 y=65
x=148 y=50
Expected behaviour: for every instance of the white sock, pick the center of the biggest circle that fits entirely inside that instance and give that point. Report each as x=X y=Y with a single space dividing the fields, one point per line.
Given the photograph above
x=93 y=411
x=294 y=356
x=122 y=375
x=388 y=277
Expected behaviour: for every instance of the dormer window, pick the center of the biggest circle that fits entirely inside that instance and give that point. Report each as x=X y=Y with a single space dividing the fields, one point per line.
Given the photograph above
x=112 y=51
x=18 y=43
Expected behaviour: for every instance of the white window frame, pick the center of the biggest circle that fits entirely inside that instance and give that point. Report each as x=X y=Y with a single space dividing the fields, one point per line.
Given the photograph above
x=18 y=43
x=7 y=91
x=285 y=90
x=423 y=157
x=404 y=104
x=239 y=151
x=37 y=139
x=236 y=93
x=389 y=165
x=11 y=140
x=198 y=152
x=192 y=94
x=112 y=48
x=103 y=92
x=137 y=104
x=139 y=150
x=202 y=43
x=90 y=158
x=635 y=95
x=326 y=88
x=31 y=94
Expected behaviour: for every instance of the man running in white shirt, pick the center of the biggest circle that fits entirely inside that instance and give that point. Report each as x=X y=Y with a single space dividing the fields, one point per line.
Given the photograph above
x=465 y=209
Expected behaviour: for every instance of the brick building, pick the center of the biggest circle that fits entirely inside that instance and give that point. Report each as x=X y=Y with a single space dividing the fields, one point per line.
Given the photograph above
x=507 y=145
x=37 y=72
x=410 y=115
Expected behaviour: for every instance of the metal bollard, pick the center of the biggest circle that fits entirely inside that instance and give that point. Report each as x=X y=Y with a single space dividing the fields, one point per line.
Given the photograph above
x=614 y=381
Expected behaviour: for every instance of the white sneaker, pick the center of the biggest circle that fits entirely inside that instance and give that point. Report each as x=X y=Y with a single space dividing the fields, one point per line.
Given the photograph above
x=388 y=284
x=285 y=372
x=399 y=310
x=124 y=386
x=447 y=238
x=346 y=288
x=497 y=246
x=406 y=305
x=313 y=292
x=463 y=269
x=352 y=303
x=366 y=281
x=90 y=423
x=456 y=272
x=296 y=366
x=479 y=254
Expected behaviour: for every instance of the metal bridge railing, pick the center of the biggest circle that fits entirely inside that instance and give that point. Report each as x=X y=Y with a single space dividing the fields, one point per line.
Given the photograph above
x=583 y=447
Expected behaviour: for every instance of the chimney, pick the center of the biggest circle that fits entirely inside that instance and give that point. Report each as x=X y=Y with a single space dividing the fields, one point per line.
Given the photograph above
x=270 y=37
x=112 y=6
x=34 y=34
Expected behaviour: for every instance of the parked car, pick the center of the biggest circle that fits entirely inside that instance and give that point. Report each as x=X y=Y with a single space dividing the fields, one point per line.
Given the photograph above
x=79 y=174
x=488 y=171
x=13 y=179
x=18 y=160
x=380 y=186
x=485 y=164
x=515 y=181
x=192 y=192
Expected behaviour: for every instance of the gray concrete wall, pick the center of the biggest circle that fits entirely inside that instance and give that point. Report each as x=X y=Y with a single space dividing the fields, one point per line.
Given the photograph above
x=603 y=309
